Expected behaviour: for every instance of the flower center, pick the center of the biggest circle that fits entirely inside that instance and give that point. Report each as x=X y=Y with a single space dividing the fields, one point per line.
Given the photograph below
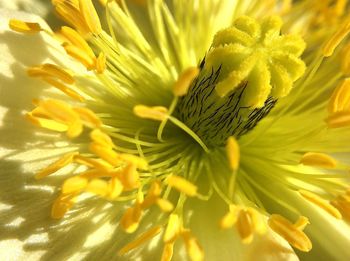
x=247 y=69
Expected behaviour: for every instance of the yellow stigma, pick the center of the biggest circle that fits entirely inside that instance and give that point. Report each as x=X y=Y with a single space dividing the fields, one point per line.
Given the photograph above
x=257 y=55
x=248 y=67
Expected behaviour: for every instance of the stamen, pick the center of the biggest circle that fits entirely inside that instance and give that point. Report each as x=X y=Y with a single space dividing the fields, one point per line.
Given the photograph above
x=290 y=232
x=24 y=27
x=98 y=187
x=58 y=111
x=230 y=218
x=319 y=160
x=105 y=153
x=101 y=63
x=338 y=119
x=173 y=228
x=68 y=91
x=101 y=138
x=130 y=177
x=336 y=39
x=342 y=203
x=345 y=65
x=75 y=39
x=140 y=163
x=194 y=250
x=340 y=100
x=167 y=252
x=47 y=124
x=302 y=222
x=88 y=117
x=115 y=188
x=182 y=185
x=90 y=15
x=74 y=184
x=148 y=235
x=71 y=14
x=257 y=221
x=320 y=202
x=158 y=113
x=244 y=226
x=233 y=153
x=51 y=70
x=57 y=165
x=152 y=194
x=165 y=205
x=131 y=219
x=93 y=163
x=80 y=55
x=61 y=205
x=184 y=81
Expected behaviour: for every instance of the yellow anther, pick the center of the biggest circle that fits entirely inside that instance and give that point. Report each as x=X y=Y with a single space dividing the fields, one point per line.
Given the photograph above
x=290 y=232
x=342 y=203
x=97 y=173
x=76 y=40
x=184 y=81
x=140 y=163
x=173 y=228
x=70 y=13
x=24 y=27
x=93 y=163
x=182 y=185
x=158 y=113
x=233 y=153
x=90 y=15
x=74 y=129
x=131 y=219
x=115 y=188
x=63 y=88
x=59 y=111
x=98 y=187
x=338 y=119
x=51 y=70
x=101 y=63
x=88 y=117
x=61 y=205
x=47 y=124
x=302 y=222
x=194 y=250
x=320 y=202
x=230 y=218
x=152 y=194
x=130 y=177
x=148 y=235
x=101 y=138
x=80 y=55
x=340 y=99
x=244 y=226
x=105 y=153
x=57 y=165
x=345 y=65
x=167 y=252
x=165 y=205
x=336 y=38
x=257 y=221
x=319 y=160
x=74 y=184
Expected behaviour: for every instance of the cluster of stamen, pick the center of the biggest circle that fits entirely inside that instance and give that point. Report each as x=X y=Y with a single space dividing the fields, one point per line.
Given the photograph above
x=247 y=69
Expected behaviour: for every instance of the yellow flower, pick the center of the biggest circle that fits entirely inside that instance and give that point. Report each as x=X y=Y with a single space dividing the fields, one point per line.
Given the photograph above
x=175 y=130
